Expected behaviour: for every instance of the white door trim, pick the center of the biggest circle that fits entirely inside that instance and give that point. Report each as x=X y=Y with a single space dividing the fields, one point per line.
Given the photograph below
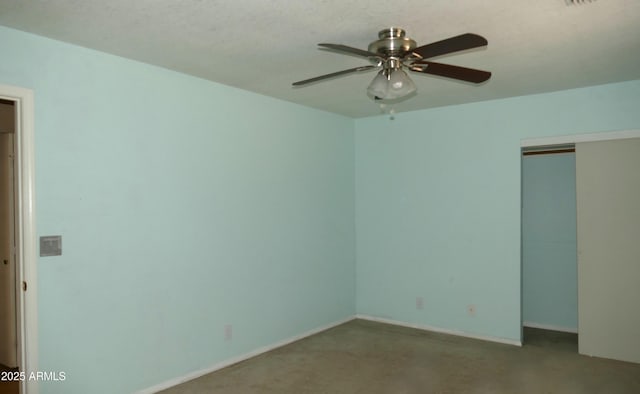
x=576 y=138
x=26 y=257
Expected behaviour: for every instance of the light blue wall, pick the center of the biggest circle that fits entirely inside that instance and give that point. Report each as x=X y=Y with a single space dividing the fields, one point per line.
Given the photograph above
x=438 y=203
x=549 y=260
x=183 y=205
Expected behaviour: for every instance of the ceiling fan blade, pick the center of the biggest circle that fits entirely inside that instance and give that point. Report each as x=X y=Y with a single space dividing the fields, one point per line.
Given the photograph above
x=350 y=50
x=335 y=74
x=450 y=71
x=449 y=45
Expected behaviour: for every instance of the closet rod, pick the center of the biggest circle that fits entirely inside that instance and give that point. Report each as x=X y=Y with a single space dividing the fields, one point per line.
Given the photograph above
x=548 y=152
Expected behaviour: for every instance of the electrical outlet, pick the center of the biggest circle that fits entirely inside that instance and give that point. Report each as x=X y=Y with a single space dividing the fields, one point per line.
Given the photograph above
x=228 y=332
x=471 y=310
x=419 y=303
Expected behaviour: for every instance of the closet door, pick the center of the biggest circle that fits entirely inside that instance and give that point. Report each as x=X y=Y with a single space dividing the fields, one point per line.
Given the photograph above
x=608 y=227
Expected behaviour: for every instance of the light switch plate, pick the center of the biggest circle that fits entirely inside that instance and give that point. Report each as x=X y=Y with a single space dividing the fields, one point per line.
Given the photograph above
x=51 y=245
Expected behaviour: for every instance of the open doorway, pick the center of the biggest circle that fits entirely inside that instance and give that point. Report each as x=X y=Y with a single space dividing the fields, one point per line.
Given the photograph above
x=549 y=247
x=8 y=269
x=20 y=256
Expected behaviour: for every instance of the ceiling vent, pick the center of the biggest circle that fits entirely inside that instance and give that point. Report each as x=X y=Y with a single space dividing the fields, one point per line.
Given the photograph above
x=578 y=2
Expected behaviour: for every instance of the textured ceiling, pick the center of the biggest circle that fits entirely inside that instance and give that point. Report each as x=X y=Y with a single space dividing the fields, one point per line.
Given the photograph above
x=264 y=45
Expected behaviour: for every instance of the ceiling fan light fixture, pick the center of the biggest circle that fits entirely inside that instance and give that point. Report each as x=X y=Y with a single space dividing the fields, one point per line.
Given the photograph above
x=379 y=86
x=390 y=85
x=400 y=85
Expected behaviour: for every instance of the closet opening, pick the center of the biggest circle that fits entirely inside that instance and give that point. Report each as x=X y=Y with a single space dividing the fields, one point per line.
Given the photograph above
x=549 y=247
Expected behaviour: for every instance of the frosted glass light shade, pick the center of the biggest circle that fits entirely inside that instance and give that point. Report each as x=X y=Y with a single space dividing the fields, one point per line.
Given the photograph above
x=379 y=86
x=400 y=85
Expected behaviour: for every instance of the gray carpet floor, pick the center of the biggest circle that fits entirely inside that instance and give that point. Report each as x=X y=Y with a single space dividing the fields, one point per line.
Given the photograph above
x=368 y=357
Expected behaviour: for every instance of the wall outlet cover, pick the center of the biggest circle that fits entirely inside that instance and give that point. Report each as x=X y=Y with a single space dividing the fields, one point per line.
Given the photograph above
x=471 y=310
x=228 y=332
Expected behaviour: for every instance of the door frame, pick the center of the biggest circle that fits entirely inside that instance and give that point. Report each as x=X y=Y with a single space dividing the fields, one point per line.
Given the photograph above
x=25 y=234
x=555 y=141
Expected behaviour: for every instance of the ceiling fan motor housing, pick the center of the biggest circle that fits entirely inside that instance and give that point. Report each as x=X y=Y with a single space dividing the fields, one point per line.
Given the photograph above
x=392 y=43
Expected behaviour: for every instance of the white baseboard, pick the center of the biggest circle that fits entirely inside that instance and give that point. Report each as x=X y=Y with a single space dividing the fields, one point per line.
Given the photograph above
x=550 y=327
x=235 y=360
x=246 y=356
x=441 y=330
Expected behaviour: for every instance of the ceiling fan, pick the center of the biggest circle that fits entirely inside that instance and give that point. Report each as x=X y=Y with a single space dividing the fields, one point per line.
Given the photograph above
x=393 y=52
